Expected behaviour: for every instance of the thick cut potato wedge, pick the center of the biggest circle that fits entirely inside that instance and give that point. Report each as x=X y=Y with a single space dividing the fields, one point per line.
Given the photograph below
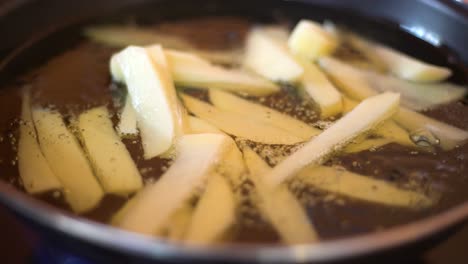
x=153 y=96
x=268 y=55
x=365 y=117
x=321 y=90
x=34 y=170
x=310 y=41
x=231 y=103
x=361 y=187
x=111 y=160
x=367 y=144
x=179 y=223
x=279 y=206
x=398 y=63
x=191 y=70
x=197 y=157
x=200 y=126
x=239 y=125
x=128 y=119
x=214 y=214
x=67 y=160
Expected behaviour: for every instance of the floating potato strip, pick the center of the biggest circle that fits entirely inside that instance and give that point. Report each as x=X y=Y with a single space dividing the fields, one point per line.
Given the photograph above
x=279 y=205
x=340 y=181
x=109 y=157
x=239 y=125
x=215 y=212
x=366 y=144
x=358 y=88
x=199 y=126
x=365 y=117
x=316 y=85
x=179 y=223
x=388 y=130
x=191 y=70
x=67 y=160
x=268 y=55
x=310 y=41
x=398 y=63
x=153 y=96
x=151 y=209
x=231 y=103
x=34 y=170
x=128 y=119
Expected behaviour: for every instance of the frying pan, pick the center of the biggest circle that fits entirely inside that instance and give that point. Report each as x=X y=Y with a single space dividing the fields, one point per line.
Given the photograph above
x=33 y=31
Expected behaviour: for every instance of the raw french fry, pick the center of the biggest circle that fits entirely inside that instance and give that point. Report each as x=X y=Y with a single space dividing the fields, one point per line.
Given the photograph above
x=310 y=41
x=200 y=126
x=367 y=144
x=389 y=129
x=191 y=70
x=120 y=214
x=122 y=36
x=67 y=160
x=153 y=96
x=360 y=84
x=128 y=119
x=267 y=54
x=109 y=157
x=447 y=136
x=223 y=57
x=239 y=125
x=231 y=103
x=233 y=166
x=361 y=187
x=179 y=223
x=398 y=63
x=321 y=90
x=279 y=205
x=365 y=117
x=35 y=172
x=214 y=213
x=196 y=159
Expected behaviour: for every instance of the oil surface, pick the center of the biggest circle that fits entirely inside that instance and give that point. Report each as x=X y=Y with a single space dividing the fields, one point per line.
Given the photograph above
x=78 y=79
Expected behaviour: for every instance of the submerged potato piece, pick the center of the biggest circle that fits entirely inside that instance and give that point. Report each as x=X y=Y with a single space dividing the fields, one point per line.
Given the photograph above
x=214 y=213
x=321 y=90
x=197 y=156
x=239 y=125
x=67 y=160
x=231 y=103
x=446 y=136
x=34 y=170
x=109 y=157
x=179 y=223
x=268 y=55
x=128 y=119
x=361 y=187
x=191 y=70
x=153 y=96
x=365 y=117
x=200 y=126
x=367 y=144
x=310 y=41
x=279 y=205
x=400 y=64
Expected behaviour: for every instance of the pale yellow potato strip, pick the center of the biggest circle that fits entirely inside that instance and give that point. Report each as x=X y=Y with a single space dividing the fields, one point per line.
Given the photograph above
x=67 y=160
x=362 y=187
x=366 y=116
x=179 y=223
x=232 y=103
x=34 y=170
x=112 y=163
x=128 y=119
x=279 y=205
